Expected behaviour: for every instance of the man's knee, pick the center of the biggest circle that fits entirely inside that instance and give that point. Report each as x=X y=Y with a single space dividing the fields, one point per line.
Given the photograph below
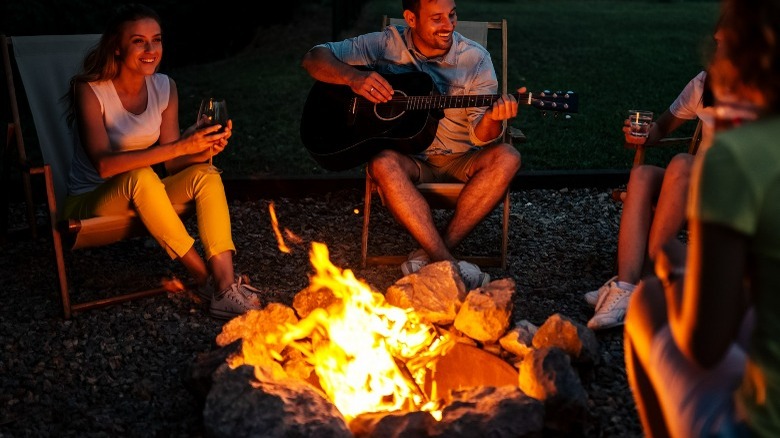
x=501 y=156
x=510 y=156
x=384 y=162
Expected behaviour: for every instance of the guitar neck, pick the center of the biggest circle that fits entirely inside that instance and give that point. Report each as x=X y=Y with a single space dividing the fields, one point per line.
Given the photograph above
x=452 y=101
x=555 y=101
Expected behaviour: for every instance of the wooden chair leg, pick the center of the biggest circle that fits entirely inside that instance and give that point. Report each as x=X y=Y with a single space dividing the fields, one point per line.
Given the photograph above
x=639 y=155
x=62 y=276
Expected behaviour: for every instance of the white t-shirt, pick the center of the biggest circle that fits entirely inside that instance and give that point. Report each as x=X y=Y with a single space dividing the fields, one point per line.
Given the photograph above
x=689 y=106
x=126 y=131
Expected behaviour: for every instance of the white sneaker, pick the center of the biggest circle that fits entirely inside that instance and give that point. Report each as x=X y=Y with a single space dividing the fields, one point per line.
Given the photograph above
x=592 y=297
x=610 y=308
x=236 y=300
x=417 y=259
x=472 y=276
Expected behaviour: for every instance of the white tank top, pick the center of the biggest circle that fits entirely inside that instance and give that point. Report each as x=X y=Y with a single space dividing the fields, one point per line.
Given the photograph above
x=126 y=131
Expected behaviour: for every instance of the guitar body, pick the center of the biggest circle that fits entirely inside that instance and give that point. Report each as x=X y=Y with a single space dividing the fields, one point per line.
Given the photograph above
x=342 y=131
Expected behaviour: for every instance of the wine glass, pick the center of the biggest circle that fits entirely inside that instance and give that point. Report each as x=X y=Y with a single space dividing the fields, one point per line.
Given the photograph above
x=212 y=112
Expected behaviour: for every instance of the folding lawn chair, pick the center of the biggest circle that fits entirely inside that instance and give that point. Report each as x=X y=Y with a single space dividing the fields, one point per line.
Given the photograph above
x=45 y=65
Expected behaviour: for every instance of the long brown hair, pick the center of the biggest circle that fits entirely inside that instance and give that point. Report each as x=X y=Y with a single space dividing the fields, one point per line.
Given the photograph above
x=101 y=63
x=750 y=59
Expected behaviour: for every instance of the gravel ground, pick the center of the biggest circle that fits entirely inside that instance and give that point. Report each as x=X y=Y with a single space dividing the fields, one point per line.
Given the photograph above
x=122 y=370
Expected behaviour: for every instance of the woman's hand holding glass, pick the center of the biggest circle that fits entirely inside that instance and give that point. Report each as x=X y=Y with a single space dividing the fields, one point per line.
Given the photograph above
x=213 y=112
x=203 y=143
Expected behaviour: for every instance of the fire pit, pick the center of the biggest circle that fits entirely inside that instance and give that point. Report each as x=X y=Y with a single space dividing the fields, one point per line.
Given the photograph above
x=426 y=358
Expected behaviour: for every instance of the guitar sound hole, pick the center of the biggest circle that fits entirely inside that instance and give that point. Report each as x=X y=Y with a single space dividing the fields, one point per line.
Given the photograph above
x=392 y=109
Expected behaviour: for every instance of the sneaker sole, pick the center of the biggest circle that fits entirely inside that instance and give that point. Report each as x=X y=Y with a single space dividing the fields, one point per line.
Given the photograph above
x=223 y=314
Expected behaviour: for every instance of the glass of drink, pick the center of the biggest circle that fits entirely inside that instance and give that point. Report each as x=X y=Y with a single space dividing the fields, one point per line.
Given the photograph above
x=212 y=112
x=639 y=122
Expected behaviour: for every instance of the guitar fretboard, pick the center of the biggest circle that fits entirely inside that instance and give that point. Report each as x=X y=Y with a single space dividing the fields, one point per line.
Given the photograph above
x=459 y=101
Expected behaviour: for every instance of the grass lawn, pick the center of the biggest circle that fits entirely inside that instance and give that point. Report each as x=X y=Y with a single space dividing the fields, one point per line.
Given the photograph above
x=615 y=54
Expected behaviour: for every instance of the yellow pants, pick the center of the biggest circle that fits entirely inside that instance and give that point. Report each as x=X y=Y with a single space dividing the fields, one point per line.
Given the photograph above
x=142 y=191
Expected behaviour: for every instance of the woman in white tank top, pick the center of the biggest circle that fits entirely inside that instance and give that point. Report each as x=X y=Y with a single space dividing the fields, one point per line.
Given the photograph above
x=127 y=119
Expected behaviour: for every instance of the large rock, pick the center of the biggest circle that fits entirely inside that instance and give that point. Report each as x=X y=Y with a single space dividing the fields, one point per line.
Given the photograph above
x=519 y=339
x=578 y=341
x=489 y=411
x=546 y=374
x=240 y=405
x=435 y=292
x=485 y=313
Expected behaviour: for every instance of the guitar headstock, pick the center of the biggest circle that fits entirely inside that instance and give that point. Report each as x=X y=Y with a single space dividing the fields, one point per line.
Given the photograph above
x=562 y=101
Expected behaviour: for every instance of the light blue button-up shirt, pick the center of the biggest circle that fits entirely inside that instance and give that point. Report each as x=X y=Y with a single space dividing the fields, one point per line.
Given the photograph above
x=465 y=69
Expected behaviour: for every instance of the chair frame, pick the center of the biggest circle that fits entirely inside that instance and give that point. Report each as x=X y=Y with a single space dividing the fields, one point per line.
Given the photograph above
x=70 y=233
x=443 y=195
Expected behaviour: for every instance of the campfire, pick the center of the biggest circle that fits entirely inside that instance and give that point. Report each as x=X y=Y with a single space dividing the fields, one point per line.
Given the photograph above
x=425 y=358
x=368 y=355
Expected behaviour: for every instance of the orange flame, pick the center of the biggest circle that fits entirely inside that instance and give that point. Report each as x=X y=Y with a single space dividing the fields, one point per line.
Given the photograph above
x=369 y=356
x=275 y=224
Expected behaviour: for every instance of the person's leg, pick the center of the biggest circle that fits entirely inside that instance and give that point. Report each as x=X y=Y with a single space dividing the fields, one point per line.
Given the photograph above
x=675 y=396
x=142 y=191
x=489 y=175
x=396 y=175
x=670 y=209
x=644 y=186
x=207 y=191
x=645 y=317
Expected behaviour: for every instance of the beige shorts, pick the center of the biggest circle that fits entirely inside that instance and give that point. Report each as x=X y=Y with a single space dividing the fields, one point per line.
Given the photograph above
x=446 y=168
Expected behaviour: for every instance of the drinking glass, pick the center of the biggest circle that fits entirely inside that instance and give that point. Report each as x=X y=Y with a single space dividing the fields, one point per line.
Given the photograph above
x=212 y=112
x=639 y=122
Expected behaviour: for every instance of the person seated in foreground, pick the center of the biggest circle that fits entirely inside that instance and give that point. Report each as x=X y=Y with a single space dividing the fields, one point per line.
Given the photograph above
x=467 y=147
x=654 y=208
x=127 y=115
x=702 y=339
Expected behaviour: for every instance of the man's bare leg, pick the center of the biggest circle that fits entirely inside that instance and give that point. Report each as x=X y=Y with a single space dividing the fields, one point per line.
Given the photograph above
x=491 y=174
x=396 y=174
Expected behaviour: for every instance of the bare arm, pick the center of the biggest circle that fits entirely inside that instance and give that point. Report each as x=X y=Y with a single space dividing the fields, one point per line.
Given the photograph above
x=324 y=67
x=665 y=125
x=705 y=319
x=94 y=139
x=490 y=125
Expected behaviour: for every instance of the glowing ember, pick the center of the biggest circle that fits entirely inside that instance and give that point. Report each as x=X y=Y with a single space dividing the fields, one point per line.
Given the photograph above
x=369 y=356
x=275 y=224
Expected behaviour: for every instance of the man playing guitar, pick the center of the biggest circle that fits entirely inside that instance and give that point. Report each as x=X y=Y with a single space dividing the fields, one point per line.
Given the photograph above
x=467 y=146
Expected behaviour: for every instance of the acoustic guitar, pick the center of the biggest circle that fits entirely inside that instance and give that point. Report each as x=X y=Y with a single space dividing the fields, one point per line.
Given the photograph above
x=342 y=130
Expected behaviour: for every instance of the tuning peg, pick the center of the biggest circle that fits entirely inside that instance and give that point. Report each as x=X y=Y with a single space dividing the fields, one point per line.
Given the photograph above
x=556 y=115
x=545 y=92
x=544 y=113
